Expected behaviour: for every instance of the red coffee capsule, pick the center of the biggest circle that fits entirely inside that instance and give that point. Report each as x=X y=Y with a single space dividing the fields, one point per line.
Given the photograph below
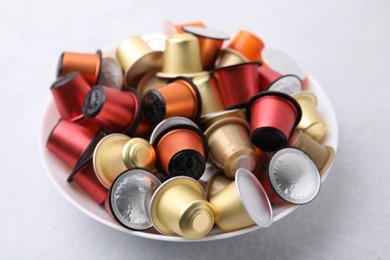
x=69 y=92
x=238 y=83
x=89 y=65
x=113 y=110
x=273 y=81
x=69 y=141
x=273 y=115
x=182 y=149
x=87 y=180
x=180 y=97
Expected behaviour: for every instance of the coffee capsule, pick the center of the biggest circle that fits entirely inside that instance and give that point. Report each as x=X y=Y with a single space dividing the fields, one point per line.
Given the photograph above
x=323 y=156
x=88 y=65
x=210 y=43
x=311 y=122
x=156 y=41
x=230 y=146
x=178 y=207
x=181 y=57
x=70 y=141
x=114 y=110
x=181 y=147
x=237 y=83
x=273 y=81
x=208 y=90
x=292 y=177
x=68 y=93
x=273 y=116
x=229 y=57
x=206 y=121
x=85 y=177
x=170 y=28
x=137 y=58
x=130 y=196
x=248 y=44
x=150 y=81
x=180 y=97
x=111 y=74
x=116 y=153
x=284 y=64
x=242 y=203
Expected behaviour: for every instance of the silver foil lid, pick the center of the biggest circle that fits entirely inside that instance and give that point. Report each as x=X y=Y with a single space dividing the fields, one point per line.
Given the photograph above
x=156 y=41
x=130 y=196
x=288 y=84
x=111 y=73
x=294 y=176
x=206 y=32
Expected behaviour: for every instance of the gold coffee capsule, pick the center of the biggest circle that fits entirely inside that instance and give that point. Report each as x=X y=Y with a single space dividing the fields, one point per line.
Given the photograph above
x=311 y=122
x=210 y=119
x=116 y=153
x=208 y=89
x=230 y=57
x=181 y=57
x=242 y=203
x=323 y=156
x=150 y=81
x=137 y=58
x=178 y=207
x=230 y=146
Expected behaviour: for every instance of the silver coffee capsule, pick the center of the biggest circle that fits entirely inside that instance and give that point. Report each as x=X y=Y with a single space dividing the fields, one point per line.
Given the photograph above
x=288 y=84
x=292 y=176
x=130 y=196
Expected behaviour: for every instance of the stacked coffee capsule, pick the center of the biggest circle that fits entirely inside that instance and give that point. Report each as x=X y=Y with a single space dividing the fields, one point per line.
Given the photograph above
x=185 y=131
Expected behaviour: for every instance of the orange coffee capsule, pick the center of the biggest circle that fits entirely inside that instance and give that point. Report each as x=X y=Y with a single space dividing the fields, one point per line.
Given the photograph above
x=248 y=44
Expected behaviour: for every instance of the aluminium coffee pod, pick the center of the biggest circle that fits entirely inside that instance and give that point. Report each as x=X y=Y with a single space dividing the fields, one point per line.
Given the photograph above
x=242 y=203
x=284 y=64
x=116 y=153
x=150 y=81
x=237 y=83
x=213 y=181
x=323 y=156
x=181 y=147
x=111 y=74
x=87 y=64
x=85 y=177
x=68 y=93
x=137 y=58
x=178 y=207
x=210 y=43
x=273 y=81
x=209 y=93
x=180 y=97
x=230 y=57
x=112 y=109
x=170 y=28
x=130 y=196
x=70 y=142
x=156 y=41
x=181 y=57
x=272 y=115
x=292 y=177
x=248 y=44
x=311 y=122
x=230 y=146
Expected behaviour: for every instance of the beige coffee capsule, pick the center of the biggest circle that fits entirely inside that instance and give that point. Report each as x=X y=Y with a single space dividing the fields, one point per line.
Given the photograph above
x=137 y=58
x=207 y=120
x=242 y=203
x=323 y=156
x=150 y=81
x=117 y=153
x=230 y=57
x=311 y=122
x=178 y=207
x=181 y=57
x=230 y=146
x=213 y=180
x=208 y=89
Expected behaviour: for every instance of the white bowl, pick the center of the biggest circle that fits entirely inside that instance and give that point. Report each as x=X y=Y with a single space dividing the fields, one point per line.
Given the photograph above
x=58 y=172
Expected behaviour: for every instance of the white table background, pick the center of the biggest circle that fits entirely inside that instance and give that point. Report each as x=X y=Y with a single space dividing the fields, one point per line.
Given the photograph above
x=345 y=45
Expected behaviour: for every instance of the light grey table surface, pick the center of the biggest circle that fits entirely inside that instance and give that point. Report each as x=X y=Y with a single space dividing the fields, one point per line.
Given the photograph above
x=345 y=45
